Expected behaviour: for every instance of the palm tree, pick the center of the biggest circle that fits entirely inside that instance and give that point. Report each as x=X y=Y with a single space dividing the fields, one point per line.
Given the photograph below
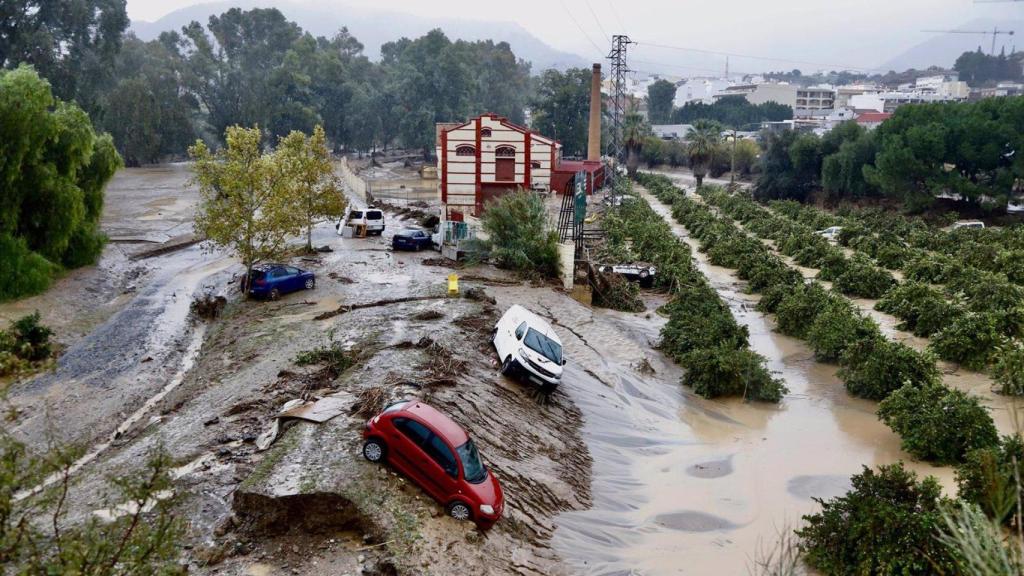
x=701 y=143
x=634 y=131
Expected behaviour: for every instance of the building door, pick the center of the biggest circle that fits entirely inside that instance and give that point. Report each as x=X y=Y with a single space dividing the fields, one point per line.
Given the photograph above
x=505 y=164
x=505 y=169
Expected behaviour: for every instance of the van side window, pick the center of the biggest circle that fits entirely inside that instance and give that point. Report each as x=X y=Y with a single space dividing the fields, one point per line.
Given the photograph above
x=413 y=430
x=521 y=331
x=440 y=452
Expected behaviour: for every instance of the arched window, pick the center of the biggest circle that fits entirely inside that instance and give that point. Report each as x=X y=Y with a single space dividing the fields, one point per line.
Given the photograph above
x=534 y=164
x=485 y=132
x=505 y=152
x=465 y=150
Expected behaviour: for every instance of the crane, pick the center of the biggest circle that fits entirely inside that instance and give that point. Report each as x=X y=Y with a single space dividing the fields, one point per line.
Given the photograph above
x=994 y=32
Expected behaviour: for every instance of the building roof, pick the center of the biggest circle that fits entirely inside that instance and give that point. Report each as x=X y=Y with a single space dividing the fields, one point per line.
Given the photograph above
x=873 y=117
x=573 y=166
x=447 y=126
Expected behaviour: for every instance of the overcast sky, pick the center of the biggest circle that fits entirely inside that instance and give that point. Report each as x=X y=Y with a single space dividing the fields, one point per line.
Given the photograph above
x=835 y=33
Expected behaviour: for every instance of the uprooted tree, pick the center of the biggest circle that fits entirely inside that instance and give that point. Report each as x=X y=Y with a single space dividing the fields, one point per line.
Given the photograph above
x=246 y=197
x=521 y=238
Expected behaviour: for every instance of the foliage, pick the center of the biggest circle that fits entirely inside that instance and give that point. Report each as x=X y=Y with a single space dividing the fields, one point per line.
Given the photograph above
x=1009 y=370
x=874 y=368
x=561 y=108
x=978 y=545
x=989 y=478
x=864 y=279
x=977 y=68
x=247 y=202
x=635 y=131
x=520 y=235
x=660 y=95
x=36 y=537
x=733 y=111
x=797 y=310
x=971 y=339
x=71 y=43
x=317 y=189
x=884 y=525
x=24 y=344
x=937 y=423
x=780 y=178
x=922 y=309
x=333 y=358
x=725 y=371
x=837 y=327
x=701 y=144
x=53 y=168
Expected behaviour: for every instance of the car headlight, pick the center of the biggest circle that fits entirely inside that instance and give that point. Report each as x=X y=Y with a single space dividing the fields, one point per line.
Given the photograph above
x=487 y=509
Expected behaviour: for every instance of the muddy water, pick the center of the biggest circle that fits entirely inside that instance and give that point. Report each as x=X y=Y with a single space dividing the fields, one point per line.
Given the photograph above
x=687 y=485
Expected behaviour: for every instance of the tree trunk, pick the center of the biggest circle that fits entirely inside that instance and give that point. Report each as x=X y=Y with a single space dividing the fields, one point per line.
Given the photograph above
x=309 y=238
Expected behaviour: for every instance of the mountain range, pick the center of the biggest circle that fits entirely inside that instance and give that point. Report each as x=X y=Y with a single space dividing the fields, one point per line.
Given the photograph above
x=942 y=49
x=374 y=27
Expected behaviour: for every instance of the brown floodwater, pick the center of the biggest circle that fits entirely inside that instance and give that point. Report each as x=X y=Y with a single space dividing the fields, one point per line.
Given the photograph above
x=687 y=485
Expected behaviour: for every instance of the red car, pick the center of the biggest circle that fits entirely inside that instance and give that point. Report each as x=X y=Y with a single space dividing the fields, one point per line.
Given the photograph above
x=438 y=455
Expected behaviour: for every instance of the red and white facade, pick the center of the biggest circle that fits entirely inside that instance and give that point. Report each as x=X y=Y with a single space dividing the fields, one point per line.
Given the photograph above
x=488 y=156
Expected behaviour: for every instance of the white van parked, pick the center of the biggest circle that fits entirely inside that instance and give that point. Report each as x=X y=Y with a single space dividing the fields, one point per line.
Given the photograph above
x=526 y=344
x=372 y=218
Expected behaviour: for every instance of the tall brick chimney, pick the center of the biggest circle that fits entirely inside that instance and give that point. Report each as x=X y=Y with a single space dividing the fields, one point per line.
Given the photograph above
x=594 y=131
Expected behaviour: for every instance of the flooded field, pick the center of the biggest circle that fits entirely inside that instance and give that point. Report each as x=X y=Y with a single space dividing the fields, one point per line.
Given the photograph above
x=622 y=471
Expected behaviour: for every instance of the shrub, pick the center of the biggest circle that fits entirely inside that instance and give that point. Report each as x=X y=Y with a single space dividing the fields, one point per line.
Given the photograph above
x=938 y=423
x=772 y=297
x=987 y=478
x=1009 y=370
x=728 y=371
x=798 y=309
x=864 y=279
x=520 y=238
x=334 y=359
x=875 y=367
x=885 y=525
x=833 y=265
x=971 y=339
x=892 y=256
x=24 y=344
x=838 y=327
x=922 y=309
x=23 y=272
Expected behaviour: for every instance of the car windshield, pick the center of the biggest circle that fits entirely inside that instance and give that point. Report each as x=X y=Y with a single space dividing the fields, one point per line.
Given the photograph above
x=542 y=344
x=472 y=466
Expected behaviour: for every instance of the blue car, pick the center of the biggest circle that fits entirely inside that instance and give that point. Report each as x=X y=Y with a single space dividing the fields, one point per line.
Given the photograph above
x=411 y=239
x=273 y=280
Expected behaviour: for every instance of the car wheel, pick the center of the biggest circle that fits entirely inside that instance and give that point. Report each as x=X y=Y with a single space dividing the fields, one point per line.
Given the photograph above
x=310 y=283
x=275 y=294
x=374 y=450
x=459 y=510
x=506 y=365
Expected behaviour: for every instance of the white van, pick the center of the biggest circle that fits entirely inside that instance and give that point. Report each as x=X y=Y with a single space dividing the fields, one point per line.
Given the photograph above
x=372 y=218
x=527 y=345
x=970 y=224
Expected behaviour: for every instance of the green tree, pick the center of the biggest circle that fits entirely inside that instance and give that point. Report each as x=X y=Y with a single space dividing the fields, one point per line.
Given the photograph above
x=732 y=111
x=660 y=96
x=54 y=168
x=634 y=133
x=702 y=142
x=561 y=108
x=316 y=187
x=521 y=237
x=246 y=197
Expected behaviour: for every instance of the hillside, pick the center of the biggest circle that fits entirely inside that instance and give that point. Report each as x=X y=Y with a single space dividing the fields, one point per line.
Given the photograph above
x=944 y=49
x=374 y=27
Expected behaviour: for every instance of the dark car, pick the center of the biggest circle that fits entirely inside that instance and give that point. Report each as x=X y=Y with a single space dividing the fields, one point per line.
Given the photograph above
x=273 y=280
x=411 y=239
x=438 y=455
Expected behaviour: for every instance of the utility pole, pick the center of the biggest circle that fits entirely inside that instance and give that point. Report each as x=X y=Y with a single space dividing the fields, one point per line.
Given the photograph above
x=618 y=76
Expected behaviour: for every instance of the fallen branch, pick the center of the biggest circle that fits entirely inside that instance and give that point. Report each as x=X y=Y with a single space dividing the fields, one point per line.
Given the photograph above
x=387 y=302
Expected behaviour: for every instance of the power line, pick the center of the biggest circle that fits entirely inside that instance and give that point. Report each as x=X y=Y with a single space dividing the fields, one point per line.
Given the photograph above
x=616 y=14
x=596 y=19
x=753 y=57
x=582 y=31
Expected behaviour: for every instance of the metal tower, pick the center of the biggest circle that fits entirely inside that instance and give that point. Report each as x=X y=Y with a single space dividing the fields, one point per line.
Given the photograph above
x=618 y=76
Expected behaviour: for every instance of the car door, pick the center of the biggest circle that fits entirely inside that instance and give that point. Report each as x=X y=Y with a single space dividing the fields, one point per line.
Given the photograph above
x=294 y=276
x=406 y=449
x=442 y=469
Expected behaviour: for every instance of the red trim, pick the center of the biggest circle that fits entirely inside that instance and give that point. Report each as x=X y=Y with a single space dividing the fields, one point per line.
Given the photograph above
x=476 y=196
x=529 y=144
x=444 y=166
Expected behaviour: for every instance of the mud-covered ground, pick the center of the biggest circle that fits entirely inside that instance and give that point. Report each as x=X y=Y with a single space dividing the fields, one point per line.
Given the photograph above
x=621 y=471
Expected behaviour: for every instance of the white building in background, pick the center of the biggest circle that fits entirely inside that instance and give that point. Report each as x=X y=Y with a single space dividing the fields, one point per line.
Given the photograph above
x=671 y=131
x=700 y=90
